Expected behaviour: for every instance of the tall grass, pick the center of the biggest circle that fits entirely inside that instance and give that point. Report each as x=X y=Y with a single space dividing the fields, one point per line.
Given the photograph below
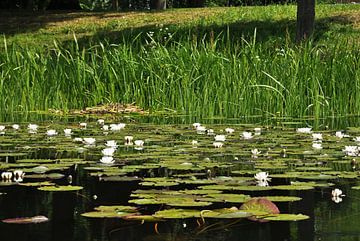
x=213 y=76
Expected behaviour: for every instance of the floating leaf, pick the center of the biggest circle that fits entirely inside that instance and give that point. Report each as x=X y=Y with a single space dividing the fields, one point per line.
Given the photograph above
x=60 y=188
x=286 y=217
x=26 y=220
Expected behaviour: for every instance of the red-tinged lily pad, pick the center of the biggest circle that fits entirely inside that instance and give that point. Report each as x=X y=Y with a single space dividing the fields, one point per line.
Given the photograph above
x=26 y=220
x=260 y=204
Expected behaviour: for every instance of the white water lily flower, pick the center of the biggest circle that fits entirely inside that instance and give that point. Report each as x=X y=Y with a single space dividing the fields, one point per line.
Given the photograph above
x=51 y=132
x=32 y=128
x=262 y=177
x=117 y=127
x=67 y=132
x=194 y=142
x=229 y=130
x=19 y=175
x=105 y=127
x=337 y=193
x=210 y=131
x=89 y=140
x=2 y=127
x=77 y=139
x=83 y=125
x=201 y=129
x=107 y=160
x=257 y=131
x=101 y=121
x=262 y=183
x=139 y=143
x=247 y=135
x=111 y=143
x=129 y=140
x=218 y=144
x=317 y=146
x=317 y=136
x=108 y=151
x=357 y=139
x=196 y=125
x=6 y=176
x=220 y=138
x=340 y=135
x=351 y=150
x=305 y=130
x=15 y=126
x=255 y=152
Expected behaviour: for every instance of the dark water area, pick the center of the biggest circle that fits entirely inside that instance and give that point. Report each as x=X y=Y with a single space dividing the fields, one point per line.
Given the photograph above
x=329 y=221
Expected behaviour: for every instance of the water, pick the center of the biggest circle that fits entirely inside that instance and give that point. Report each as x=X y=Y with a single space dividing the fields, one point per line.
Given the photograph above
x=167 y=146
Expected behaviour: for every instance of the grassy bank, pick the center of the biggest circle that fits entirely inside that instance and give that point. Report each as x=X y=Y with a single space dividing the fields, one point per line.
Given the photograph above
x=240 y=63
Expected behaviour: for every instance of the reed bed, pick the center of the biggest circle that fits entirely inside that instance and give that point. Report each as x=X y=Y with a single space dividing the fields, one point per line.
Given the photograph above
x=212 y=76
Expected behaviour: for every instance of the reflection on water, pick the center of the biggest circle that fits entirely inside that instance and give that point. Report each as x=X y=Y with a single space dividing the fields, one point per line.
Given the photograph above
x=329 y=221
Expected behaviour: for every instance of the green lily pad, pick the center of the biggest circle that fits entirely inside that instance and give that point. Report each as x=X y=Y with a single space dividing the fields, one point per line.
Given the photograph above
x=177 y=214
x=60 y=188
x=286 y=217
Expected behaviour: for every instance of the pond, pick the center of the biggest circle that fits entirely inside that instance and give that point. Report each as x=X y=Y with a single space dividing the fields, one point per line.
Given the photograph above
x=171 y=178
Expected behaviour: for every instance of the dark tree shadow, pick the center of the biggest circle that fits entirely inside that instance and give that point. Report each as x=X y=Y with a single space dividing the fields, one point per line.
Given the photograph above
x=12 y=23
x=265 y=30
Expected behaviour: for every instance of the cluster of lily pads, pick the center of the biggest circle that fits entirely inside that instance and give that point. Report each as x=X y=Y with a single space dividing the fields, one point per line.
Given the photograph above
x=176 y=167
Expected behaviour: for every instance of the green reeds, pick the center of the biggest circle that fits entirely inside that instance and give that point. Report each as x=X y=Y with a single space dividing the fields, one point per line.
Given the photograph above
x=215 y=76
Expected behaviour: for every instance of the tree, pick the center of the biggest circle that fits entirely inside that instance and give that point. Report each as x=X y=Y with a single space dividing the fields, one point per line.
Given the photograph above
x=197 y=3
x=158 y=4
x=305 y=19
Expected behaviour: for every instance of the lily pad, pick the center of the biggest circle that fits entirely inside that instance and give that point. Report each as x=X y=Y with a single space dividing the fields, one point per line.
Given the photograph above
x=286 y=217
x=60 y=188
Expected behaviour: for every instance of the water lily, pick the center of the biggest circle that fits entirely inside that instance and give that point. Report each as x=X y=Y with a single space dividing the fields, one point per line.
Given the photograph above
x=201 y=129
x=83 y=125
x=317 y=146
x=255 y=152
x=105 y=127
x=2 y=127
x=78 y=139
x=340 y=134
x=68 y=132
x=262 y=183
x=51 y=132
x=351 y=150
x=15 y=126
x=19 y=175
x=357 y=139
x=229 y=130
x=247 y=135
x=89 y=140
x=210 y=131
x=194 y=142
x=304 y=130
x=117 y=127
x=336 y=195
x=139 y=143
x=129 y=140
x=257 y=131
x=108 y=151
x=32 y=128
x=111 y=143
x=196 y=125
x=101 y=121
x=218 y=144
x=6 y=176
x=107 y=160
x=317 y=136
x=262 y=177
x=220 y=138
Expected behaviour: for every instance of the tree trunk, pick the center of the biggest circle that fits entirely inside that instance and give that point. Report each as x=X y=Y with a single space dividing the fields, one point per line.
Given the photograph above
x=197 y=3
x=124 y=4
x=158 y=4
x=305 y=19
x=114 y=5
